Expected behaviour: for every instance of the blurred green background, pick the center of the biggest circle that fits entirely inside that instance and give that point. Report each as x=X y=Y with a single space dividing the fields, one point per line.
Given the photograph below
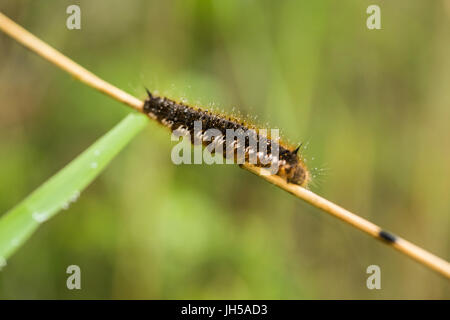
x=373 y=106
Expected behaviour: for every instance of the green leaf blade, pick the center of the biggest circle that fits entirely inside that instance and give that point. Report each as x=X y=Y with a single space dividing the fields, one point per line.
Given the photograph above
x=63 y=188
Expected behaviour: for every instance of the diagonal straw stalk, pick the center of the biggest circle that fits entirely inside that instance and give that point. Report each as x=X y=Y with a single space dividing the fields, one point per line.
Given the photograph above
x=47 y=52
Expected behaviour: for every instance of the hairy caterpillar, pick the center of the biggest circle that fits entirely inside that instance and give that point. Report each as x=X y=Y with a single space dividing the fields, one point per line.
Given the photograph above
x=178 y=116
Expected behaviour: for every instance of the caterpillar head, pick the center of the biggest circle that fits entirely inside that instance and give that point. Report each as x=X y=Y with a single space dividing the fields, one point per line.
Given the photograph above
x=293 y=169
x=295 y=173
